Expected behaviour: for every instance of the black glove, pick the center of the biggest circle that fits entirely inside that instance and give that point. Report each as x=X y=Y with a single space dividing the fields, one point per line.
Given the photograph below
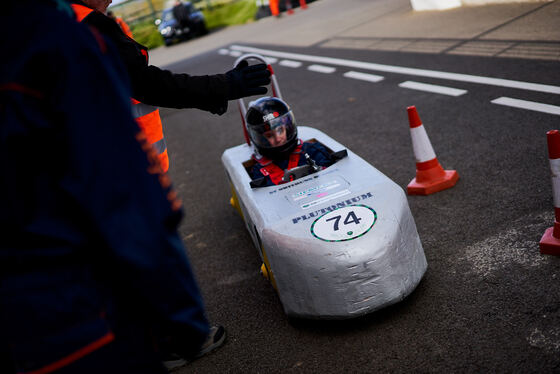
x=217 y=108
x=245 y=80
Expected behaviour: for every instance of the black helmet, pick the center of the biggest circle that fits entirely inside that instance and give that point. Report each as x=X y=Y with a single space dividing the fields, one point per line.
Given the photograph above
x=272 y=127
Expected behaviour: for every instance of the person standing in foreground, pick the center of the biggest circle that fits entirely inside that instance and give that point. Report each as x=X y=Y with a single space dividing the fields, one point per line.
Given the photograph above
x=94 y=275
x=153 y=87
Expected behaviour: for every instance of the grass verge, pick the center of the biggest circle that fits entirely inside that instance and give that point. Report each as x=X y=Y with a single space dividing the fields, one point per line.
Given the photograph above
x=235 y=13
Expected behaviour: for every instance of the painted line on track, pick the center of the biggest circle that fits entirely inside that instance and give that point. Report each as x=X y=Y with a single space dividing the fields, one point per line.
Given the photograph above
x=530 y=105
x=321 y=69
x=290 y=63
x=433 y=88
x=404 y=70
x=363 y=76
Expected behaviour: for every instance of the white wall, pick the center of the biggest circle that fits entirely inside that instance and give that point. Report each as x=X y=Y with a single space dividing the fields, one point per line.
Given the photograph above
x=448 y=4
x=482 y=2
x=434 y=4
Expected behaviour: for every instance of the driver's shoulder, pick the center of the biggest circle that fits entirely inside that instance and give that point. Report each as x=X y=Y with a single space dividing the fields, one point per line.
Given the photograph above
x=312 y=147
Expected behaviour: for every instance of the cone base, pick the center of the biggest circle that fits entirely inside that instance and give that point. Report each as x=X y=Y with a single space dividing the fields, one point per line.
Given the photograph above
x=429 y=187
x=549 y=245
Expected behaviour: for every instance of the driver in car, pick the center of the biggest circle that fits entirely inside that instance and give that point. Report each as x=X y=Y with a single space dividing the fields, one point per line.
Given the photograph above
x=272 y=129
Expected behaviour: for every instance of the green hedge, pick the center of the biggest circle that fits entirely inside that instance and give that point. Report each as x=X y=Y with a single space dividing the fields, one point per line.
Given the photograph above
x=147 y=34
x=235 y=13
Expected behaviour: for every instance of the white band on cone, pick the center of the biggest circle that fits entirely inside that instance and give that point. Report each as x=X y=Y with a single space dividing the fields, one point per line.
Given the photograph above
x=555 y=169
x=421 y=145
x=556 y=192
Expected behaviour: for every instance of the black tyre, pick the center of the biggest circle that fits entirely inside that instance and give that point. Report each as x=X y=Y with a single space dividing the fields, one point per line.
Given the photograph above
x=202 y=30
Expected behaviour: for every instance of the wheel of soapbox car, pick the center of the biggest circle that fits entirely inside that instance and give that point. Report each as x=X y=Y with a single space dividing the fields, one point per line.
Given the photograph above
x=335 y=243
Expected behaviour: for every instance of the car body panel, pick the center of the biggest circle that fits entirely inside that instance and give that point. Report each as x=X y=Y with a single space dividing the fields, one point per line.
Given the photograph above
x=338 y=243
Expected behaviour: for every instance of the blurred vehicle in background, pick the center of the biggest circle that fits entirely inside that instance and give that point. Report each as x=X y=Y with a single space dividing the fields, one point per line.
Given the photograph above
x=172 y=31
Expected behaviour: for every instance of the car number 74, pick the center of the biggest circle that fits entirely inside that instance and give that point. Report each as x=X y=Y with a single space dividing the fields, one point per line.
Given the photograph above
x=345 y=223
x=350 y=218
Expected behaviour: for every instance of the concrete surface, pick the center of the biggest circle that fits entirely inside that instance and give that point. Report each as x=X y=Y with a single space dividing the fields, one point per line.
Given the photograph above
x=366 y=22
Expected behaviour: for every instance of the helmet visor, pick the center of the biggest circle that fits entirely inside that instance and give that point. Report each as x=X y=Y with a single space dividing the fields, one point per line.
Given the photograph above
x=275 y=132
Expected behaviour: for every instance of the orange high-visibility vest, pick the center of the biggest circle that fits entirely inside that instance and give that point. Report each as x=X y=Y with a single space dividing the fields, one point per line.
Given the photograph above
x=148 y=119
x=124 y=27
x=146 y=116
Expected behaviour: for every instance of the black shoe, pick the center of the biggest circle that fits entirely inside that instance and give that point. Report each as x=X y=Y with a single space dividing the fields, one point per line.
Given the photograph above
x=215 y=339
x=173 y=361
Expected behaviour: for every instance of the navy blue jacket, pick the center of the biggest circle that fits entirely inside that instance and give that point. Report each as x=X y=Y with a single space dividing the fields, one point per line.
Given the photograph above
x=89 y=249
x=316 y=151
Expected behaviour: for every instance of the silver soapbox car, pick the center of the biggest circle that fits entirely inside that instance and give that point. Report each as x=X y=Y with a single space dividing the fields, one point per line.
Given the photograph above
x=336 y=243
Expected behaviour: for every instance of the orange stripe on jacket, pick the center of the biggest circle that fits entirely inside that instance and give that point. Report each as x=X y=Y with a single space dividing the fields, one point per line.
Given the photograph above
x=81 y=11
x=93 y=346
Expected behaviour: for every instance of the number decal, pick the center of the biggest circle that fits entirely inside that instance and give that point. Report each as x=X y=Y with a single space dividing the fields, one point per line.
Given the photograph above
x=336 y=219
x=351 y=217
x=331 y=227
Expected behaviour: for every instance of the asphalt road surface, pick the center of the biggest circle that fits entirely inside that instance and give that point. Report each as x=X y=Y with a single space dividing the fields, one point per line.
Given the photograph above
x=489 y=302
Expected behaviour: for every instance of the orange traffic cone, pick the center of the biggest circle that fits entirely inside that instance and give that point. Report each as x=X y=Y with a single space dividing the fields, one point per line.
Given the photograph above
x=430 y=176
x=550 y=241
x=302 y=4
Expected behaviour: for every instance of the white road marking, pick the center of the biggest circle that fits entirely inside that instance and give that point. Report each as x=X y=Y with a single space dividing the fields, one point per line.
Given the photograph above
x=363 y=76
x=530 y=105
x=290 y=63
x=271 y=60
x=223 y=51
x=432 y=88
x=321 y=69
x=404 y=70
x=235 y=53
